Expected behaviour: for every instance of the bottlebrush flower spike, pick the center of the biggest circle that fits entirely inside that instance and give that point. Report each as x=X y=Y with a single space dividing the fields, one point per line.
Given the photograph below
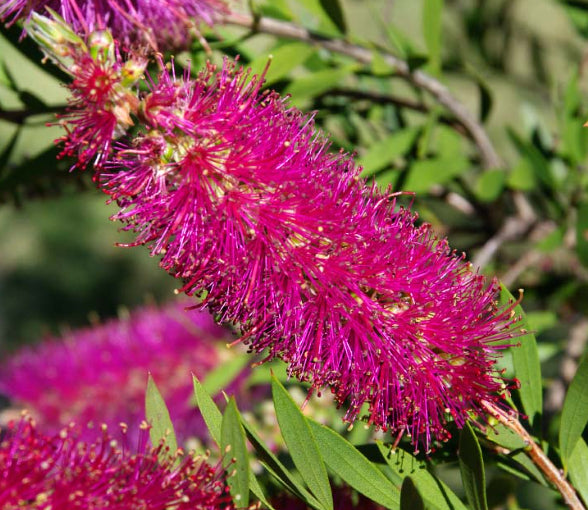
x=99 y=374
x=158 y=24
x=102 y=91
x=240 y=196
x=62 y=472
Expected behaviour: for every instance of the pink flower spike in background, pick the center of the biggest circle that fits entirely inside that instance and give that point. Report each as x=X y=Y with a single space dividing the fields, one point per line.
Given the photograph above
x=62 y=472
x=159 y=24
x=99 y=374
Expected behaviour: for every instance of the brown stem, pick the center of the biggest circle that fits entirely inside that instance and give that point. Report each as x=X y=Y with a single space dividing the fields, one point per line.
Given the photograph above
x=489 y=156
x=378 y=97
x=536 y=454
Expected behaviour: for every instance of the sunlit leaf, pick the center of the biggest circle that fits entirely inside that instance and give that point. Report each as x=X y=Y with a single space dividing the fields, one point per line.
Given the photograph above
x=157 y=416
x=284 y=60
x=574 y=414
x=209 y=410
x=355 y=469
x=384 y=152
x=235 y=457
x=578 y=469
x=302 y=445
x=525 y=358
x=334 y=10
x=437 y=495
x=432 y=30
x=471 y=466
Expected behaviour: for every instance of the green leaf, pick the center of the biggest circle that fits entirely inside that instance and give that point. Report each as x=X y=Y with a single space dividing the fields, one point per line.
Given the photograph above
x=221 y=376
x=355 y=469
x=213 y=419
x=276 y=468
x=209 y=410
x=335 y=12
x=485 y=100
x=437 y=495
x=302 y=445
x=490 y=185
x=319 y=20
x=471 y=466
x=410 y=499
x=283 y=60
x=157 y=415
x=533 y=155
x=6 y=78
x=582 y=234
x=424 y=174
x=574 y=414
x=521 y=176
x=432 y=29
x=505 y=437
x=520 y=459
x=384 y=152
x=315 y=84
x=235 y=455
x=578 y=469
x=525 y=358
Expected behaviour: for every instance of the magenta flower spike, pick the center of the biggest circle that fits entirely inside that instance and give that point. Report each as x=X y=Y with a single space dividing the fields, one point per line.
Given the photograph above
x=158 y=24
x=99 y=374
x=63 y=472
x=240 y=196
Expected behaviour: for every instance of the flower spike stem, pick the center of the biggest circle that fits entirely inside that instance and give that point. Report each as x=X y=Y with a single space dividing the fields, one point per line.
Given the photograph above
x=536 y=454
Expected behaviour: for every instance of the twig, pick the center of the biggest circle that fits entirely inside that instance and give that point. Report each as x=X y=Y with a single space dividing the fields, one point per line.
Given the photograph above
x=551 y=473
x=512 y=228
x=379 y=98
x=489 y=156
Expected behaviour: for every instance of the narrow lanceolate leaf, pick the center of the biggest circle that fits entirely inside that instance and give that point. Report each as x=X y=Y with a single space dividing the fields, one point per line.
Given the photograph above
x=578 y=469
x=432 y=18
x=574 y=415
x=471 y=466
x=235 y=458
x=213 y=419
x=525 y=359
x=334 y=10
x=436 y=494
x=302 y=445
x=284 y=59
x=410 y=499
x=355 y=469
x=209 y=410
x=277 y=469
x=158 y=417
